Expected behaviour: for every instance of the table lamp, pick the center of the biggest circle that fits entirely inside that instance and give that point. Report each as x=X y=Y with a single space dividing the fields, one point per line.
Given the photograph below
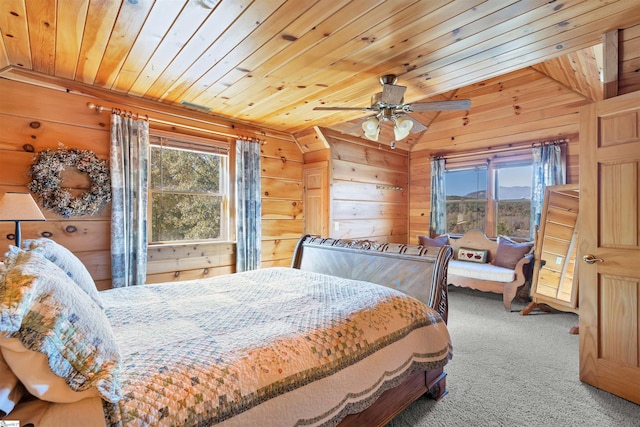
x=19 y=207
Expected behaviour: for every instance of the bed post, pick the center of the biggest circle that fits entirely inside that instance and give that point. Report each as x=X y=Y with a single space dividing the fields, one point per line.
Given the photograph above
x=297 y=252
x=439 y=299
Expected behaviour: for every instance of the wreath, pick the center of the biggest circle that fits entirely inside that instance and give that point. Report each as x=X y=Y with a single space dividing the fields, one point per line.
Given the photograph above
x=46 y=174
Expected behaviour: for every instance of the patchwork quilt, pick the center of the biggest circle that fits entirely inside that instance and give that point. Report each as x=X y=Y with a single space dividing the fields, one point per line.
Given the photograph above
x=217 y=350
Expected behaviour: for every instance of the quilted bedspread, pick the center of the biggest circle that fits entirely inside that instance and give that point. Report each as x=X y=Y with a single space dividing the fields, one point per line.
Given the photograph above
x=201 y=352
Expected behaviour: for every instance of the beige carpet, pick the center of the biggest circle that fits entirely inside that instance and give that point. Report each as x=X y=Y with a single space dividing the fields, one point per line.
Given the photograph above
x=513 y=370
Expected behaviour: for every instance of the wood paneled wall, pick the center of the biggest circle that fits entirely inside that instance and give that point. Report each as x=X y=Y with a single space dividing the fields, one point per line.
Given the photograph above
x=34 y=117
x=369 y=189
x=516 y=109
x=629 y=60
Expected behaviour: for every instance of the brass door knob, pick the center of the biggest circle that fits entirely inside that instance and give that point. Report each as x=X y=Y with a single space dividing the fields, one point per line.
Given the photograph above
x=590 y=259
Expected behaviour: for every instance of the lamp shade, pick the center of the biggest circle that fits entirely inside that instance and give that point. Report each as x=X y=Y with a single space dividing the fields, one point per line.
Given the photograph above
x=402 y=127
x=371 y=128
x=19 y=207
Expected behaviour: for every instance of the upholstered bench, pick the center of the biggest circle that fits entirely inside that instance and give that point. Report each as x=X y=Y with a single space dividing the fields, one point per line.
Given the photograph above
x=485 y=264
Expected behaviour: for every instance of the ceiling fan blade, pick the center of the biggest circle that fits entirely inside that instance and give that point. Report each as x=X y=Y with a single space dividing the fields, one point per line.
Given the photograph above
x=458 y=104
x=417 y=126
x=392 y=94
x=342 y=108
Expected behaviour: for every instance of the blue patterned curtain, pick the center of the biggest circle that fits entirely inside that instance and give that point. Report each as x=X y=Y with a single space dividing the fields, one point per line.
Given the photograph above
x=438 y=216
x=129 y=184
x=548 y=169
x=248 y=206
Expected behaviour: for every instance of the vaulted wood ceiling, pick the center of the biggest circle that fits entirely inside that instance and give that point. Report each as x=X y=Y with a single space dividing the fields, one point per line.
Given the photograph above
x=270 y=62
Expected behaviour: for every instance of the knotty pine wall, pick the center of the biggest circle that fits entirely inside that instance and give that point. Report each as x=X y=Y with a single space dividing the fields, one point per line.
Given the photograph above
x=368 y=189
x=33 y=117
x=519 y=108
x=629 y=60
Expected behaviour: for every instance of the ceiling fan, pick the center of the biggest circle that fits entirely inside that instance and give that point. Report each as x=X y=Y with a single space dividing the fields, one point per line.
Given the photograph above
x=389 y=105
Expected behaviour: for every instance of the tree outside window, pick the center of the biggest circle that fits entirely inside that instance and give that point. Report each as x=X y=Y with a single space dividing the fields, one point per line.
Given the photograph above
x=188 y=195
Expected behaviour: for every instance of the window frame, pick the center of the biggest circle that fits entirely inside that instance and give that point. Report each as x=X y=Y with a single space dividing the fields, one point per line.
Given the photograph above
x=477 y=166
x=492 y=164
x=201 y=145
x=496 y=183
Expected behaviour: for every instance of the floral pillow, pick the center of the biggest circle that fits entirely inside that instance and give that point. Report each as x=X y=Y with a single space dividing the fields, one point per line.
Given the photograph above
x=473 y=255
x=67 y=261
x=46 y=313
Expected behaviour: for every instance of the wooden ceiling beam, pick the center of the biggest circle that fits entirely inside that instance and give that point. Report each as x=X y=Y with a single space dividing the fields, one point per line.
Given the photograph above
x=610 y=64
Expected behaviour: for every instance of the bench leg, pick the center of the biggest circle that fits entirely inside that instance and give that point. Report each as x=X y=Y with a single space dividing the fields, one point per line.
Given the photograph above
x=508 y=294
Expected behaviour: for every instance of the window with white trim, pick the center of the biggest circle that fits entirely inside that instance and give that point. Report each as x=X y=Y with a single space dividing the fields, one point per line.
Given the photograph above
x=466 y=202
x=493 y=196
x=513 y=200
x=188 y=190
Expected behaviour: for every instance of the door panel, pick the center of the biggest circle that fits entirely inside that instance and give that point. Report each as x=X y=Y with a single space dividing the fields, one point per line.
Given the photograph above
x=316 y=198
x=610 y=233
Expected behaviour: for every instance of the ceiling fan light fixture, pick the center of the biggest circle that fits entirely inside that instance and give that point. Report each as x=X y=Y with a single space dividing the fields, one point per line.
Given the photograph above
x=371 y=128
x=402 y=127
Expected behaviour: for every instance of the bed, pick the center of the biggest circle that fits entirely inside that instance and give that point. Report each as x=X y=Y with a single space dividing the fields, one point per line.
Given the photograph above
x=320 y=343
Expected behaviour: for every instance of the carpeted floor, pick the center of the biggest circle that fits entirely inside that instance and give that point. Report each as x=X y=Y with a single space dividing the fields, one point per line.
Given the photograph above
x=513 y=370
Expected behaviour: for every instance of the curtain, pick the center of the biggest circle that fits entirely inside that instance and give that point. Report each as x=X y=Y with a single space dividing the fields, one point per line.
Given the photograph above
x=438 y=198
x=248 y=206
x=129 y=186
x=548 y=169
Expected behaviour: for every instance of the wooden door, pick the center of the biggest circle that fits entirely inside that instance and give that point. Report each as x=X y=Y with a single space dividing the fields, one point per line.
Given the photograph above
x=316 y=198
x=609 y=248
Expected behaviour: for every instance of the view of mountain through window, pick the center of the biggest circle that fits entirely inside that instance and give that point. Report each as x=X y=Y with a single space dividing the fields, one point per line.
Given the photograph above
x=513 y=201
x=466 y=200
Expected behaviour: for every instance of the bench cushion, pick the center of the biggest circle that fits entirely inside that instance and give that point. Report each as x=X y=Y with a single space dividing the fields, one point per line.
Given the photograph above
x=481 y=271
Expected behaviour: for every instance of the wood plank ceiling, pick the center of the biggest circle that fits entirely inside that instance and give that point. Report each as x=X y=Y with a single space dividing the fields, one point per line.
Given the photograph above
x=270 y=62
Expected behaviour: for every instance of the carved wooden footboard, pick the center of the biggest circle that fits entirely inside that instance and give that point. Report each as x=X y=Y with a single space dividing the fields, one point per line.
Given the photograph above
x=416 y=270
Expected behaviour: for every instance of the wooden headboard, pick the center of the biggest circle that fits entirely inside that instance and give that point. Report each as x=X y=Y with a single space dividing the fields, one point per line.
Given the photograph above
x=415 y=270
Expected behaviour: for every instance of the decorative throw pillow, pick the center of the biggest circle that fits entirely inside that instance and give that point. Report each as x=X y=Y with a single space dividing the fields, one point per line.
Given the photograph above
x=67 y=261
x=437 y=241
x=473 y=255
x=11 y=391
x=509 y=252
x=44 y=312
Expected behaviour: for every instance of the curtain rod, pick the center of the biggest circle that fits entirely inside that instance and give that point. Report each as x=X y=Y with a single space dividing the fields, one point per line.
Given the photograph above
x=101 y=109
x=507 y=149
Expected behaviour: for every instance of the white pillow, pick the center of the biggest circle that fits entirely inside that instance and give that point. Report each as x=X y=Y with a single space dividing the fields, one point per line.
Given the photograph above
x=45 y=312
x=67 y=261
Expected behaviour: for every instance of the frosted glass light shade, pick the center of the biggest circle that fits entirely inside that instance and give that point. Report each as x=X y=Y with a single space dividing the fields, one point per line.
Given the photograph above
x=371 y=128
x=402 y=127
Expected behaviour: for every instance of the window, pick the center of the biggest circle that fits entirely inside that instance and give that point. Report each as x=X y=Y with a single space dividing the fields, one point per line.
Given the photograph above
x=466 y=202
x=188 y=191
x=513 y=200
x=506 y=185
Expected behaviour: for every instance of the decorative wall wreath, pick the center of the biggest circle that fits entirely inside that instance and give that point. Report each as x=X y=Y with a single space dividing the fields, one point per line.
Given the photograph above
x=46 y=180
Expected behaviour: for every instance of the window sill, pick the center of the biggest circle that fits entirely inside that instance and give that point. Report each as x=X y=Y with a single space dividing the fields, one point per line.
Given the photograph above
x=194 y=243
